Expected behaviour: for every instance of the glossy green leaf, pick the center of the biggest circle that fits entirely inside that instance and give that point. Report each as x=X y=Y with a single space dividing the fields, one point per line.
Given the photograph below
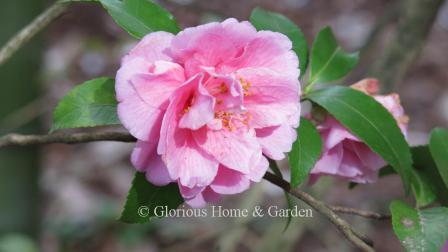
x=146 y=201
x=438 y=145
x=140 y=17
x=90 y=104
x=305 y=152
x=370 y=122
x=265 y=20
x=420 y=230
x=423 y=188
x=328 y=61
x=424 y=163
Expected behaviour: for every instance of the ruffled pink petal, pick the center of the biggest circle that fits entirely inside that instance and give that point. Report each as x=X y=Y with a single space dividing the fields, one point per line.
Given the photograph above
x=197 y=202
x=267 y=86
x=330 y=161
x=268 y=115
x=189 y=193
x=185 y=160
x=257 y=171
x=201 y=199
x=392 y=104
x=154 y=46
x=335 y=133
x=294 y=119
x=210 y=44
x=369 y=159
x=229 y=148
x=143 y=94
x=270 y=98
x=201 y=111
x=142 y=120
x=189 y=163
x=127 y=71
x=271 y=50
x=145 y=159
x=229 y=181
x=227 y=91
x=156 y=88
x=139 y=60
x=350 y=166
x=178 y=105
x=276 y=141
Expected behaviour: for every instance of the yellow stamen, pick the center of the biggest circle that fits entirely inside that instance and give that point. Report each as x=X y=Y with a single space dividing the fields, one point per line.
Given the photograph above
x=246 y=85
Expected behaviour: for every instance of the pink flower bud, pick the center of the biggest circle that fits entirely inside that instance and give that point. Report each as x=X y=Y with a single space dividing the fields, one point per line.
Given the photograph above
x=344 y=155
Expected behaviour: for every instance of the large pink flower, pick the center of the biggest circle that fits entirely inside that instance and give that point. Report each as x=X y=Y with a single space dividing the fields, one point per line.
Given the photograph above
x=344 y=155
x=207 y=103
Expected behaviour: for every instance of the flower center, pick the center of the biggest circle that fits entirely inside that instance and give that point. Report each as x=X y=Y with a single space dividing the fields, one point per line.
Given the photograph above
x=233 y=121
x=245 y=85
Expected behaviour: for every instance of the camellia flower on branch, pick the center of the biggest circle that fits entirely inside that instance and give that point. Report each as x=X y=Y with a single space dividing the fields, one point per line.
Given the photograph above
x=344 y=155
x=207 y=103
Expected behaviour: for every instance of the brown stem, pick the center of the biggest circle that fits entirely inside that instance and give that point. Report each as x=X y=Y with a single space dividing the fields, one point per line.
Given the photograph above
x=362 y=213
x=25 y=140
x=357 y=239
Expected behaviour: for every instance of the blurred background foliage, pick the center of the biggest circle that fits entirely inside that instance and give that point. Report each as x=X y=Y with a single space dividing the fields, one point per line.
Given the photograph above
x=68 y=198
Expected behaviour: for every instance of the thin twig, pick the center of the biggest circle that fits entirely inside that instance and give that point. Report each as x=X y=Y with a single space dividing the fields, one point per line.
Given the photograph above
x=25 y=140
x=357 y=239
x=329 y=211
x=28 y=32
x=362 y=213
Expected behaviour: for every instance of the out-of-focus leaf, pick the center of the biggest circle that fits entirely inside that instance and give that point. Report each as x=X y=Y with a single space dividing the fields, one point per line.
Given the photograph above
x=370 y=122
x=265 y=20
x=14 y=242
x=438 y=145
x=328 y=61
x=143 y=199
x=305 y=152
x=140 y=17
x=90 y=104
x=420 y=230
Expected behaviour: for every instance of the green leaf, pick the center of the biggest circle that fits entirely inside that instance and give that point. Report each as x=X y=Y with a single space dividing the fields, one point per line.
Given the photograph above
x=420 y=230
x=305 y=152
x=140 y=17
x=424 y=162
x=143 y=198
x=265 y=20
x=438 y=145
x=370 y=122
x=90 y=104
x=328 y=61
x=423 y=188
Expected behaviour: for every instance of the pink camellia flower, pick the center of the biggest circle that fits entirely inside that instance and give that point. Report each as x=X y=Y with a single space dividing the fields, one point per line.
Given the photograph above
x=205 y=104
x=344 y=155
